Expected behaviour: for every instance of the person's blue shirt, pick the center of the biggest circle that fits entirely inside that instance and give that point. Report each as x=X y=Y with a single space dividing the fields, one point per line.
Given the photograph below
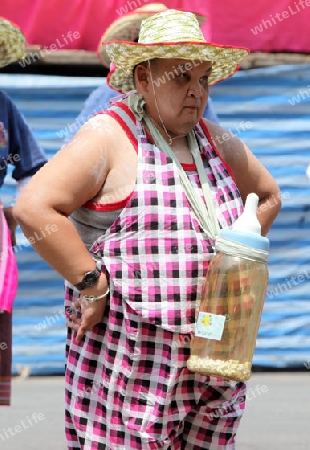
x=18 y=146
x=99 y=99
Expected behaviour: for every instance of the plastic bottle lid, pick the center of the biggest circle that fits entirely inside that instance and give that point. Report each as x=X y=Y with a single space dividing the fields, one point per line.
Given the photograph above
x=247 y=229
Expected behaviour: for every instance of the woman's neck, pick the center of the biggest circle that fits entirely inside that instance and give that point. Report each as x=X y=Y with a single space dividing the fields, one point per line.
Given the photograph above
x=178 y=144
x=169 y=136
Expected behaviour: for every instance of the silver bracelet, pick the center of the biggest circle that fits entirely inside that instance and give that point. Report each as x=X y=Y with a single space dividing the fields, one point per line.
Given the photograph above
x=94 y=298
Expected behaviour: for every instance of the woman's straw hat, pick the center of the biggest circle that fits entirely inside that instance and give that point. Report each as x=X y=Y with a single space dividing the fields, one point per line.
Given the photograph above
x=127 y=27
x=12 y=42
x=170 y=34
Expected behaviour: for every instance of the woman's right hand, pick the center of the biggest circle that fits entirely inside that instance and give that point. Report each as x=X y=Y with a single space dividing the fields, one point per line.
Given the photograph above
x=91 y=314
x=86 y=315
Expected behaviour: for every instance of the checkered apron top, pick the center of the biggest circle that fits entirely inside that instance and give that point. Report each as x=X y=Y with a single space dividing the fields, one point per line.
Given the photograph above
x=127 y=382
x=155 y=253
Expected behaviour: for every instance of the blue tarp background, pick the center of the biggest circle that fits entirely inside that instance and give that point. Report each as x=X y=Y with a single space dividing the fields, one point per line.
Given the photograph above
x=267 y=108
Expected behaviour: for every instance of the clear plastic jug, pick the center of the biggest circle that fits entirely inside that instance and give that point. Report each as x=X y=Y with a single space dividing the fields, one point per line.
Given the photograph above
x=232 y=302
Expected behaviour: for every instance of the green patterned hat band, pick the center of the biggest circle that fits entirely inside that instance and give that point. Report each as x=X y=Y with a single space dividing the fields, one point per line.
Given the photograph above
x=127 y=27
x=12 y=43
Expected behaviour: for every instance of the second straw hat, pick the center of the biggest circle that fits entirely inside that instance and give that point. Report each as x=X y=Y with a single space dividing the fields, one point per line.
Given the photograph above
x=12 y=42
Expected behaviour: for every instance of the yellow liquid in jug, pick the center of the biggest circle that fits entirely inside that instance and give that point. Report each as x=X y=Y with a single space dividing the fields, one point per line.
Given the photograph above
x=238 y=294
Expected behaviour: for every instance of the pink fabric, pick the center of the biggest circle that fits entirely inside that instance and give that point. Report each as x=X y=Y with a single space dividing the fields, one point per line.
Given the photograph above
x=261 y=26
x=127 y=384
x=8 y=267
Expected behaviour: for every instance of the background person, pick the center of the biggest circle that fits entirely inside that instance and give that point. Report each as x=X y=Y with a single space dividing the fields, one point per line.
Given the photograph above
x=125 y=28
x=135 y=237
x=19 y=149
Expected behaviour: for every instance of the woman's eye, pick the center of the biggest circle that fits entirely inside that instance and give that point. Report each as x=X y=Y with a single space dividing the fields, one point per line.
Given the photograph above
x=181 y=76
x=204 y=81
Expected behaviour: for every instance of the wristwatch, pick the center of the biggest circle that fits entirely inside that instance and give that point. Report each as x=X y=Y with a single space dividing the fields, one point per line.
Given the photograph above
x=89 y=279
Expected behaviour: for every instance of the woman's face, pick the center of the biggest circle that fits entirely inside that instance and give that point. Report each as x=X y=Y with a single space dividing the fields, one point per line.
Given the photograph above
x=181 y=90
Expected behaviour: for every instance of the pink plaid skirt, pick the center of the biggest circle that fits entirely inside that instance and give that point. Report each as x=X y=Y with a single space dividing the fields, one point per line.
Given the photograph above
x=127 y=387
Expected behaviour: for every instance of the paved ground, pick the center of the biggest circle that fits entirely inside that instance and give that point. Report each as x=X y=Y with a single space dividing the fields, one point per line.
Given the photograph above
x=276 y=417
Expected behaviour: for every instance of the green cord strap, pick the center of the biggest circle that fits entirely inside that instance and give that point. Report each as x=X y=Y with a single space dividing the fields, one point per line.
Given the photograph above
x=205 y=212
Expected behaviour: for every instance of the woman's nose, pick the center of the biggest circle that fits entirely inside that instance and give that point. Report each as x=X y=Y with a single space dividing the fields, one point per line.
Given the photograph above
x=195 y=91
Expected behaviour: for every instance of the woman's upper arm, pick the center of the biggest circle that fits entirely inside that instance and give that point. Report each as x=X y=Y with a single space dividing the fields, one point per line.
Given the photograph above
x=77 y=171
x=249 y=172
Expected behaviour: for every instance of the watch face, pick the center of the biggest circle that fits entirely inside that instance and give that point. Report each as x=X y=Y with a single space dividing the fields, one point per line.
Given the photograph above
x=91 y=278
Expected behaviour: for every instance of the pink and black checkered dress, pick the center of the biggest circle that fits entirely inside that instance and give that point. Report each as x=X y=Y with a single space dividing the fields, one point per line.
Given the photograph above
x=127 y=385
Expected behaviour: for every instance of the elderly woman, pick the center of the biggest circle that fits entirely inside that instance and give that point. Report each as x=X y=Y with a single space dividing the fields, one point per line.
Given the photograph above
x=135 y=235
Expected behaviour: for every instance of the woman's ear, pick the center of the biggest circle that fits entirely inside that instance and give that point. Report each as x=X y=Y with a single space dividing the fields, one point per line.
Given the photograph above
x=142 y=77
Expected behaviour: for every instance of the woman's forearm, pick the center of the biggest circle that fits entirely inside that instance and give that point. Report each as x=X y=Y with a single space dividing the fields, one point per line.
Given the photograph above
x=57 y=241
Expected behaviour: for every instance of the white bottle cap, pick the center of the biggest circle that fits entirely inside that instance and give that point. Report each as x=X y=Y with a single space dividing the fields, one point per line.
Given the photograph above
x=247 y=222
x=246 y=229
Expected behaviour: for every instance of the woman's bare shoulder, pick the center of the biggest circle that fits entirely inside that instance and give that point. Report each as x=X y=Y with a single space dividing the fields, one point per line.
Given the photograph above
x=228 y=145
x=101 y=126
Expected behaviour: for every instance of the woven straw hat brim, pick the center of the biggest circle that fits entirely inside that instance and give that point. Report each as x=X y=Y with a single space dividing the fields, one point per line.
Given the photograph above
x=127 y=28
x=12 y=42
x=126 y=55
